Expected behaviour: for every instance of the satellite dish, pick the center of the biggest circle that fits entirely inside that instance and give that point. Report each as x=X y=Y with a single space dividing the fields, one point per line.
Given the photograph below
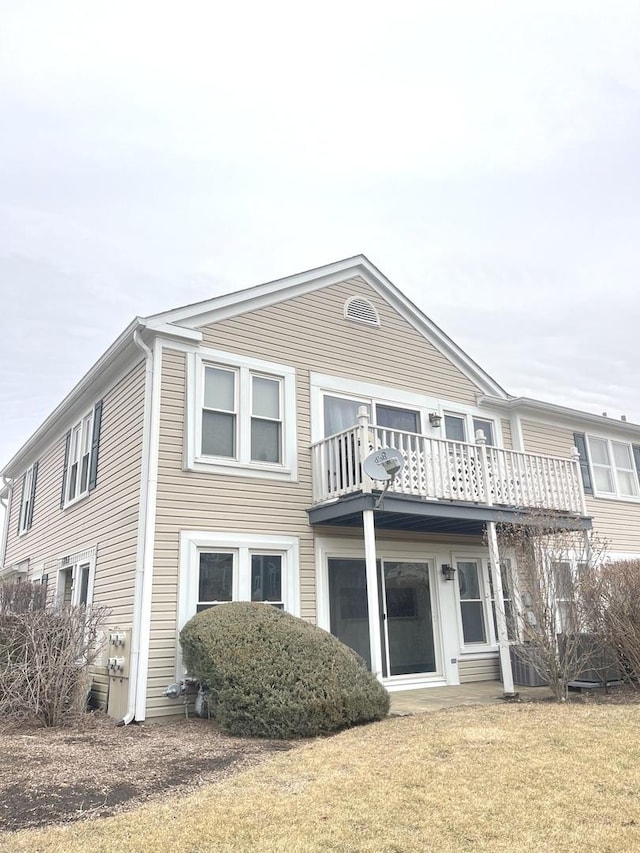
x=383 y=464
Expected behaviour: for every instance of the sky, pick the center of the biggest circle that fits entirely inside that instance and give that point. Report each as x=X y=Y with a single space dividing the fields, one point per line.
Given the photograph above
x=485 y=156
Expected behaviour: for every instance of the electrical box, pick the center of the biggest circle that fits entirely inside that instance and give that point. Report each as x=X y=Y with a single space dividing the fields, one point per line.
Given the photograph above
x=117 y=663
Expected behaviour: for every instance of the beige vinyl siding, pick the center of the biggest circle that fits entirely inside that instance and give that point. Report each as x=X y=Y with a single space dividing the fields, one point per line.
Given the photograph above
x=507 y=438
x=308 y=333
x=548 y=439
x=107 y=517
x=616 y=521
x=311 y=334
x=479 y=669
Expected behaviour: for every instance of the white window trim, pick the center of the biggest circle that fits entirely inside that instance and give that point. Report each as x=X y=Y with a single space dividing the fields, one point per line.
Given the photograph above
x=485 y=597
x=192 y=542
x=470 y=433
x=338 y=386
x=74 y=562
x=611 y=496
x=79 y=495
x=242 y=465
x=25 y=500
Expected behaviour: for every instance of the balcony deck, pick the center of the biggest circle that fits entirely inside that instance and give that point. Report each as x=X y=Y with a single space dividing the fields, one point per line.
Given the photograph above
x=446 y=481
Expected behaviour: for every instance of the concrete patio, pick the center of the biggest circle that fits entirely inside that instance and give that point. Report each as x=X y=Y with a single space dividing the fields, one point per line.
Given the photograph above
x=435 y=698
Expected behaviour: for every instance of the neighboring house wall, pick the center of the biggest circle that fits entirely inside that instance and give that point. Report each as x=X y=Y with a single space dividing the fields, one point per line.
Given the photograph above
x=106 y=518
x=308 y=333
x=616 y=521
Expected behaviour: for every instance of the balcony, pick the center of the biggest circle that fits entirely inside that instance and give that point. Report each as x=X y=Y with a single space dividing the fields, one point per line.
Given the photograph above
x=453 y=472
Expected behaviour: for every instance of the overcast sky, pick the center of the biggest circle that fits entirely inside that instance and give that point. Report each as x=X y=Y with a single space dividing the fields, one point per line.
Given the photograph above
x=485 y=156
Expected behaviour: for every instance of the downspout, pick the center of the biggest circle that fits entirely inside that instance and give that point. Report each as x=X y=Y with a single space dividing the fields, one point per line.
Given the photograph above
x=134 y=661
x=5 y=528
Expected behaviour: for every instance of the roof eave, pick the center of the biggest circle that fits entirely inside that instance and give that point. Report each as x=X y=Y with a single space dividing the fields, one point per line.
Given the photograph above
x=540 y=407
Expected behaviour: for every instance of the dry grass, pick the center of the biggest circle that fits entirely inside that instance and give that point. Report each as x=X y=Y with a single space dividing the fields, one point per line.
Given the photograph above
x=524 y=777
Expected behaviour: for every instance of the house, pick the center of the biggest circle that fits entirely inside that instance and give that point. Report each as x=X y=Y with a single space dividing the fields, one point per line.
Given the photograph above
x=288 y=443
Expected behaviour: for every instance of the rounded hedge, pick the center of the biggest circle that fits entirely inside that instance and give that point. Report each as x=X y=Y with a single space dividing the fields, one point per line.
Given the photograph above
x=269 y=674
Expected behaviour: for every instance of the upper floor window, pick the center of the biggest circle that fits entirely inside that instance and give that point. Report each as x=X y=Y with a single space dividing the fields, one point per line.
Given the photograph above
x=81 y=457
x=25 y=518
x=341 y=413
x=457 y=428
x=244 y=416
x=614 y=468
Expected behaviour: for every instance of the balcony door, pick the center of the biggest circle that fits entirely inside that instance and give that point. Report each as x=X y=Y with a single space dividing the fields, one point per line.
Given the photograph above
x=406 y=613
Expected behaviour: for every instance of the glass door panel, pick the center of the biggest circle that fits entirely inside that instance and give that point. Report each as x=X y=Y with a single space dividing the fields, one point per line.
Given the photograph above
x=349 y=611
x=408 y=631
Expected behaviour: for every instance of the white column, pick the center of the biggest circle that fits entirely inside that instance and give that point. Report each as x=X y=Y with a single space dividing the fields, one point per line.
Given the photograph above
x=501 y=619
x=373 y=600
x=494 y=559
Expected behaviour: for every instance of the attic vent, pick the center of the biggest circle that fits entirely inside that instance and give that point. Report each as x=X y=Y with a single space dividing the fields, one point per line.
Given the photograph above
x=360 y=309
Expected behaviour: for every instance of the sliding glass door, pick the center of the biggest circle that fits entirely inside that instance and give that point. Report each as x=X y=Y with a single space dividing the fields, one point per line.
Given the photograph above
x=406 y=616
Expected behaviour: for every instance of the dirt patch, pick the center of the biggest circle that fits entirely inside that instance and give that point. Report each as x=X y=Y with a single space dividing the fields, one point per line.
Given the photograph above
x=95 y=769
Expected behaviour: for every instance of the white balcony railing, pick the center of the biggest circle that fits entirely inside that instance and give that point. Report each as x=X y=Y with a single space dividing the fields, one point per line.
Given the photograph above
x=437 y=469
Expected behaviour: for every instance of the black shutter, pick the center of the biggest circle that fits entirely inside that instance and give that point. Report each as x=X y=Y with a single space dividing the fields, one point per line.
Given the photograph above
x=64 y=470
x=95 y=443
x=581 y=443
x=32 y=498
x=20 y=505
x=636 y=457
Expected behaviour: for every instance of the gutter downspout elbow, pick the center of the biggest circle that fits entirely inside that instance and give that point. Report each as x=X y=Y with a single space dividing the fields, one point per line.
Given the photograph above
x=142 y=528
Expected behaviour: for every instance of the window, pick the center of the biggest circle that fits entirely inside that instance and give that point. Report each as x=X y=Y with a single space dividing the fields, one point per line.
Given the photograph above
x=81 y=457
x=563 y=587
x=510 y=618
x=25 y=516
x=487 y=429
x=222 y=567
x=458 y=427
x=613 y=466
x=471 y=601
x=75 y=579
x=454 y=427
x=244 y=418
x=341 y=413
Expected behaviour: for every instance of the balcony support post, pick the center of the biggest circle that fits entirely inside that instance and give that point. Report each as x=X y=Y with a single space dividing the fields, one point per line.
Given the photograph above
x=373 y=599
x=496 y=569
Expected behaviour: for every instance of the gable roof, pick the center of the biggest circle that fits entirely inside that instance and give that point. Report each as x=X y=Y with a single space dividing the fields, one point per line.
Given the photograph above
x=270 y=293
x=183 y=323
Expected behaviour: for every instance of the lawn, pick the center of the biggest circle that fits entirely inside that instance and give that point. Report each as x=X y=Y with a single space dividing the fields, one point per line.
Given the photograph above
x=534 y=777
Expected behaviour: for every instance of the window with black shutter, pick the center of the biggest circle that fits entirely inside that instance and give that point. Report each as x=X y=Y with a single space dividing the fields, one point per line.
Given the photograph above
x=580 y=442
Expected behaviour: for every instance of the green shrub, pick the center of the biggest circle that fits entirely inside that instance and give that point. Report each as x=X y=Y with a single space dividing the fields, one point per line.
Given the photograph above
x=269 y=674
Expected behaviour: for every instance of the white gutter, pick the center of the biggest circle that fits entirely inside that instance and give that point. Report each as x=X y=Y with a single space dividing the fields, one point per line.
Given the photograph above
x=8 y=484
x=146 y=511
x=530 y=406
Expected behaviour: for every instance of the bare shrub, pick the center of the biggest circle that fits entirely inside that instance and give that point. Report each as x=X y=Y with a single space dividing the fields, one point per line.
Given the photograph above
x=613 y=596
x=554 y=619
x=45 y=655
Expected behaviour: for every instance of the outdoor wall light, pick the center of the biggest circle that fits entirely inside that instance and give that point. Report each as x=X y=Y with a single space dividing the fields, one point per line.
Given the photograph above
x=435 y=419
x=448 y=572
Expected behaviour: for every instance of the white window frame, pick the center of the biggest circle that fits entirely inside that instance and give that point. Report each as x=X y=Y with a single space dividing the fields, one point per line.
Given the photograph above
x=245 y=369
x=469 y=419
x=25 y=501
x=194 y=542
x=84 y=428
x=616 y=494
x=75 y=563
x=336 y=386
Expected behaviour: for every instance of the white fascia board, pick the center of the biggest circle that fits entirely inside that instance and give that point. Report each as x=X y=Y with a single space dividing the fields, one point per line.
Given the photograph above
x=563 y=414
x=241 y=301
x=94 y=378
x=170 y=330
x=263 y=295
